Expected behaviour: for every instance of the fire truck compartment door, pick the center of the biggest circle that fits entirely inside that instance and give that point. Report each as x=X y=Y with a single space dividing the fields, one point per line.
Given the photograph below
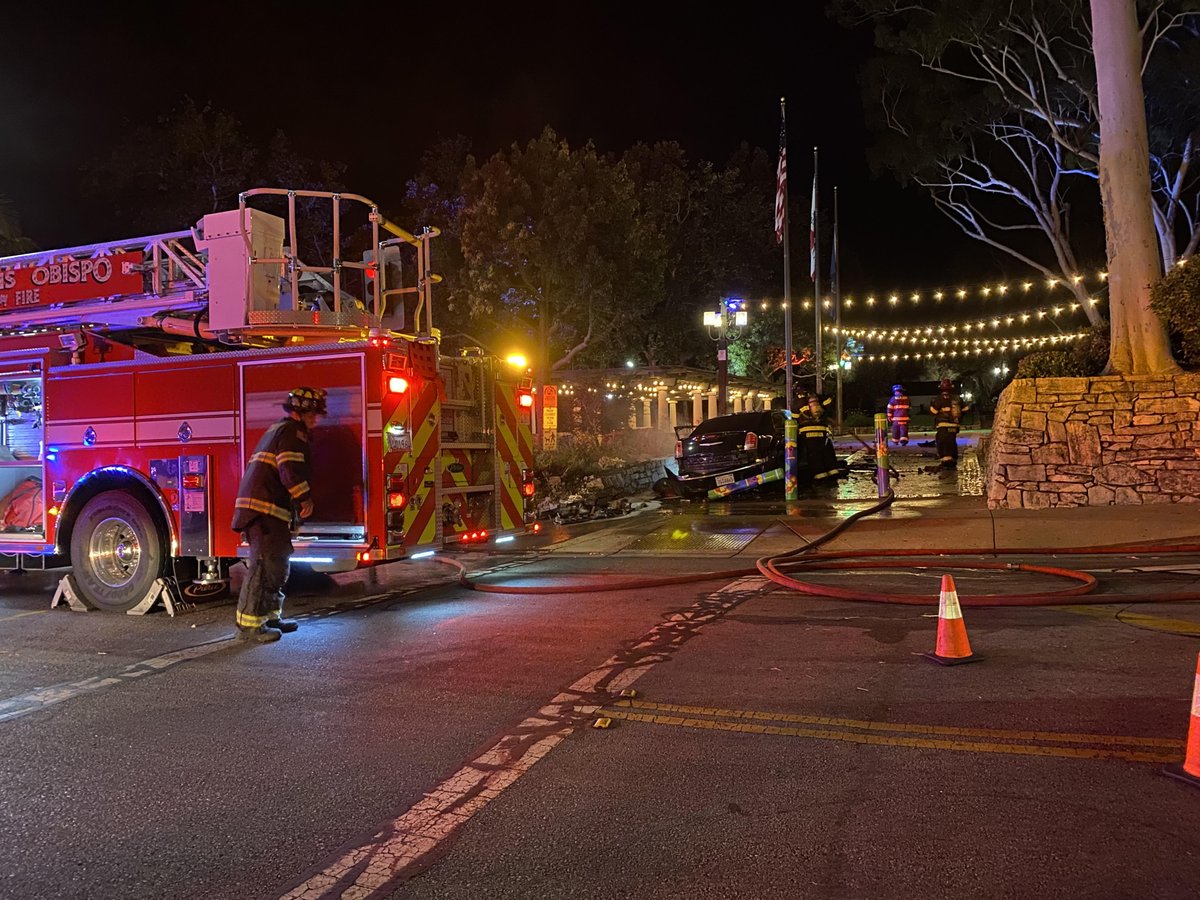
x=338 y=475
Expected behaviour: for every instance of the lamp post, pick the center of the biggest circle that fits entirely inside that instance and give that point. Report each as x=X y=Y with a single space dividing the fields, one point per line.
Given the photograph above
x=731 y=314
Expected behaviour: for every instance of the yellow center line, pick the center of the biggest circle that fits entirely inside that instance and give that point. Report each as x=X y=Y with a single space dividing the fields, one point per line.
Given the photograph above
x=36 y=612
x=1141 y=620
x=915 y=743
x=947 y=730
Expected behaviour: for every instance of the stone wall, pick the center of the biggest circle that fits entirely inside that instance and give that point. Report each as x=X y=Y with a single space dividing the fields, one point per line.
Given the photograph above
x=634 y=478
x=1096 y=442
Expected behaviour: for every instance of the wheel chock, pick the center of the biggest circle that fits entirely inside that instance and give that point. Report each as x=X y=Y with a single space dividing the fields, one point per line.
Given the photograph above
x=603 y=722
x=68 y=593
x=166 y=591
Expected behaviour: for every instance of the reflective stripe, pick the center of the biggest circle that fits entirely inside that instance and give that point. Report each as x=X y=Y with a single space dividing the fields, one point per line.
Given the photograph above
x=299 y=490
x=245 y=620
x=267 y=458
x=265 y=507
x=814 y=429
x=289 y=456
x=948 y=607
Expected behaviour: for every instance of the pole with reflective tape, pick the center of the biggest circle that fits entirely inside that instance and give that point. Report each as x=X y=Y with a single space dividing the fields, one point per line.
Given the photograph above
x=791 y=458
x=881 y=454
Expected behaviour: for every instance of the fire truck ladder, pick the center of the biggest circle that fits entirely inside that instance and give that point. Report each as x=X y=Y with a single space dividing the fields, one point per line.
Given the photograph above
x=232 y=278
x=173 y=278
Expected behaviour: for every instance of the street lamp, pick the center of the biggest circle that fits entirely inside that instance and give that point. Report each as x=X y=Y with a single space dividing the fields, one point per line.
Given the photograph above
x=731 y=314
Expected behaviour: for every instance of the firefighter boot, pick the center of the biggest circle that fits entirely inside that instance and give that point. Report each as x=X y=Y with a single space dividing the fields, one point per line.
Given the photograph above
x=283 y=626
x=260 y=635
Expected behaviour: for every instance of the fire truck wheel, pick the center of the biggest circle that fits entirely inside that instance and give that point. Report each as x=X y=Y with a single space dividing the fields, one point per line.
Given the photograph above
x=117 y=551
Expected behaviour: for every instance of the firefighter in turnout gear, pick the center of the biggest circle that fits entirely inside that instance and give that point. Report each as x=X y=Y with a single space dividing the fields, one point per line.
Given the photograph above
x=947 y=409
x=274 y=494
x=897 y=414
x=812 y=420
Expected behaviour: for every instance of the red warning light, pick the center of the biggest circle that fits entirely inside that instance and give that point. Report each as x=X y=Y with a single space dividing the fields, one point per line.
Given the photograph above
x=397 y=385
x=525 y=398
x=537 y=526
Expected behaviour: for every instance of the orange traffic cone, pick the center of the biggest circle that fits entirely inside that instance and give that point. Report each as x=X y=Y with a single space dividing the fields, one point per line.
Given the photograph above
x=1190 y=770
x=953 y=648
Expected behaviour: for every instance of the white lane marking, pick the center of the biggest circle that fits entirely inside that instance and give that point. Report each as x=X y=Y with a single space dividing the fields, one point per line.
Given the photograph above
x=398 y=847
x=41 y=698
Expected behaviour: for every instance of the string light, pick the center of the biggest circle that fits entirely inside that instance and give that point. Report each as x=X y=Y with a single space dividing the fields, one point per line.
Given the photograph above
x=981 y=291
x=874 y=330
x=999 y=348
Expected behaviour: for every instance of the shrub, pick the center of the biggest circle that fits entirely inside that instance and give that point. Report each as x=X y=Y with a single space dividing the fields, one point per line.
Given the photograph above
x=1049 y=364
x=573 y=462
x=1091 y=351
x=856 y=418
x=1176 y=300
x=1087 y=356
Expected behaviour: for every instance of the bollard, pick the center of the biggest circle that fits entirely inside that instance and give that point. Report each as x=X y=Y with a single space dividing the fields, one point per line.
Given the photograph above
x=881 y=454
x=791 y=459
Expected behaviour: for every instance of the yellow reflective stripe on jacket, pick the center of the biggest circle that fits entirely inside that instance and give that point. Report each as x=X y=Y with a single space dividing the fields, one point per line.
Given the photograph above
x=814 y=429
x=299 y=490
x=949 y=426
x=245 y=620
x=265 y=507
x=289 y=456
x=266 y=457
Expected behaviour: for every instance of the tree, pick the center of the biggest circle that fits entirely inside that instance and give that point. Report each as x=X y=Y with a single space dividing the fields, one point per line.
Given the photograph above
x=196 y=160
x=1139 y=341
x=1004 y=129
x=665 y=237
x=12 y=240
x=717 y=230
x=554 y=247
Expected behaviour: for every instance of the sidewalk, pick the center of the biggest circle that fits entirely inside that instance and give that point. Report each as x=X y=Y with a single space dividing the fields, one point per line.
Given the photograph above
x=966 y=523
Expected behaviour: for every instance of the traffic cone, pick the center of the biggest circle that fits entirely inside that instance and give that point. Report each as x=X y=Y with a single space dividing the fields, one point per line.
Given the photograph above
x=1190 y=770
x=953 y=648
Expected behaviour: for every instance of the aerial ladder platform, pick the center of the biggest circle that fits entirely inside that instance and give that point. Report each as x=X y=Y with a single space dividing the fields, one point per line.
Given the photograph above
x=235 y=278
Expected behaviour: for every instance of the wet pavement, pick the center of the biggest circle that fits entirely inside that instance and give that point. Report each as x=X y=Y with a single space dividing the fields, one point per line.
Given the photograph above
x=915 y=473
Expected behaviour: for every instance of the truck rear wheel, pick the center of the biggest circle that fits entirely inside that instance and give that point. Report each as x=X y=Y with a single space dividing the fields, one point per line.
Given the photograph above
x=116 y=551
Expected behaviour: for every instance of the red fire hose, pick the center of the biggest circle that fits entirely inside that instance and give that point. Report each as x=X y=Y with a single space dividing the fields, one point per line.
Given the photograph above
x=776 y=568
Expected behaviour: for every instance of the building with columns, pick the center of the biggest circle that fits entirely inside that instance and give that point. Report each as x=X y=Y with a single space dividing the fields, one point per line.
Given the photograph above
x=653 y=400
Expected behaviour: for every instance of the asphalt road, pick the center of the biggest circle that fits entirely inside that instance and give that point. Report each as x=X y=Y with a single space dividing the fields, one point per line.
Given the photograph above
x=415 y=739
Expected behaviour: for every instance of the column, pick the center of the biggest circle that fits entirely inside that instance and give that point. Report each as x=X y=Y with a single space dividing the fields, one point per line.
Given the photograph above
x=663 y=424
x=647 y=422
x=697 y=408
x=713 y=398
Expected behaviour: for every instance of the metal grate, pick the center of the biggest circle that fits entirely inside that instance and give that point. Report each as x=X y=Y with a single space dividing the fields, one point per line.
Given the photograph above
x=696 y=537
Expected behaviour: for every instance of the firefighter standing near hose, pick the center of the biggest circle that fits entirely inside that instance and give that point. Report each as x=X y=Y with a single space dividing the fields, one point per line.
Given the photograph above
x=274 y=494
x=897 y=414
x=812 y=420
x=947 y=411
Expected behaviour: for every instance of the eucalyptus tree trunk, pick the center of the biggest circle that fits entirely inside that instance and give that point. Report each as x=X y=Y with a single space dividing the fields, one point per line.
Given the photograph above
x=1139 y=341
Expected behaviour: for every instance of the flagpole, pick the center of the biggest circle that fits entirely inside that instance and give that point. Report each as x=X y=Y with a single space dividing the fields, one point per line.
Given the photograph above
x=836 y=277
x=787 y=267
x=815 y=274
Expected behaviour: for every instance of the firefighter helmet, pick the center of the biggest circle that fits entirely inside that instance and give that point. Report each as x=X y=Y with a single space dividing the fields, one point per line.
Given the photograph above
x=897 y=389
x=945 y=385
x=305 y=400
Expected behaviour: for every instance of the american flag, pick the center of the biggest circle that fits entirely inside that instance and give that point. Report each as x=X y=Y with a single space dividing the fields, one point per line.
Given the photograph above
x=781 y=185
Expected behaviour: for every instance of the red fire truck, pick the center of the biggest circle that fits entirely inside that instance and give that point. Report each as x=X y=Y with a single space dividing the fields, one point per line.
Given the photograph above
x=137 y=376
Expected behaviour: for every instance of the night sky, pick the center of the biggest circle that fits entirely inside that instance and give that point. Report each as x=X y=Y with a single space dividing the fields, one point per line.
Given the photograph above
x=372 y=85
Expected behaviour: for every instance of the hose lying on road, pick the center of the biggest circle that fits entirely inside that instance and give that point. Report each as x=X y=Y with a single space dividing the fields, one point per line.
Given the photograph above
x=777 y=567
